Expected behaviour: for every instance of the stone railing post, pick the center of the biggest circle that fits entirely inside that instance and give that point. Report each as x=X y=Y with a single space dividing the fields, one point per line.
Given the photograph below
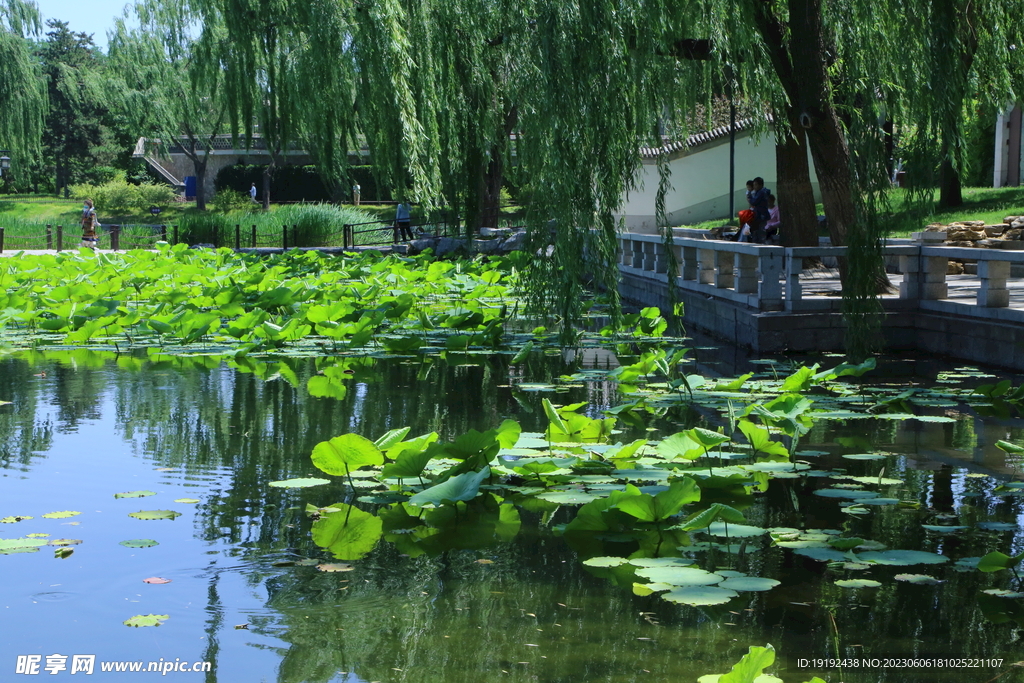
x=769 y=266
x=638 y=255
x=794 y=290
x=688 y=264
x=924 y=277
x=746 y=273
x=724 y=277
x=705 y=266
x=992 y=293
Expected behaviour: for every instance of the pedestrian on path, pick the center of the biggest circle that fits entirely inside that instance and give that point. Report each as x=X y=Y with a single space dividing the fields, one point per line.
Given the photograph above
x=403 y=216
x=252 y=193
x=89 y=225
x=355 y=194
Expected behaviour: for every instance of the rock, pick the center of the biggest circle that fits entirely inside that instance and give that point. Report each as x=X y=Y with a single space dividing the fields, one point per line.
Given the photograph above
x=960 y=243
x=514 y=242
x=1013 y=233
x=417 y=246
x=974 y=224
x=449 y=245
x=995 y=230
x=954 y=268
x=960 y=234
x=486 y=246
x=1019 y=223
x=495 y=232
x=202 y=245
x=928 y=236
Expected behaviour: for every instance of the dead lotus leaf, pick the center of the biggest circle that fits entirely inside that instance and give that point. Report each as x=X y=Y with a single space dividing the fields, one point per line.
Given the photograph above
x=335 y=567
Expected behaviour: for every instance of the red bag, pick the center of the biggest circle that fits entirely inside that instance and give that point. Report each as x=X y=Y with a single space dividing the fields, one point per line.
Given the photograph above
x=746 y=216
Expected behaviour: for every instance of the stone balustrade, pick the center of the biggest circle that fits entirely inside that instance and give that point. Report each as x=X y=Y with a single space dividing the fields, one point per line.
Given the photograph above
x=773 y=278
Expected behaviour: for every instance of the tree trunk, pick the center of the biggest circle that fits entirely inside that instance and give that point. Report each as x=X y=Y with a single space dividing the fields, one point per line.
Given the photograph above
x=268 y=170
x=795 y=192
x=950 y=193
x=200 y=168
x=817 y=115
x=490 y=199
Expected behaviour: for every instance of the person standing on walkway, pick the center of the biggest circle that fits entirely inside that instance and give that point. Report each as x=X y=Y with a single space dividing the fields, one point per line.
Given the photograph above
x=355 y=194
x=403 y=216
x=759 y=203
x=89 y=225
x=252 y=193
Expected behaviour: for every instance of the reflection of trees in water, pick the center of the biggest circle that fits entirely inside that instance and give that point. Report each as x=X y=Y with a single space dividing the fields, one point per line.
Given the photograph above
x=25 y=427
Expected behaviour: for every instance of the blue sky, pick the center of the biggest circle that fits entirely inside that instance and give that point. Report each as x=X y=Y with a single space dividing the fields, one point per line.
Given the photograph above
x=88 y=16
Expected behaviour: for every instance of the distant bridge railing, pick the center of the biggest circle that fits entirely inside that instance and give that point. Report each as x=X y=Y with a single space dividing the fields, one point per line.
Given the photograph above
x=774 y=278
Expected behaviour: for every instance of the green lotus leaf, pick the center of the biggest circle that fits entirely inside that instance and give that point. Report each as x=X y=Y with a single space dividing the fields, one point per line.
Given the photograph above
x=700 y=595
x=63 y=514
x=858 y=494
x=1002 y=593
x=605 y=561
x=134 y=494
x=462 y=487
x=735 y=530
x=858 y=583
x=154 y=514
x=139 y=543
x=822 y=554
x=300 y=483
x=918 y=579
x=679 y=576
x=902 y=558
x=343 y=454
x=747 y=584
x=348 y=533
x=661 y=562
x=865 y=456
x=140 y=620
x=20 y=545
x=15 y=518
x=568 y=497
x=188 y=501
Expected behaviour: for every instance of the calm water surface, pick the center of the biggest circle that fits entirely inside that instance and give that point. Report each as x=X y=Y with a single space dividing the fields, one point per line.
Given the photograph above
x=84 y=426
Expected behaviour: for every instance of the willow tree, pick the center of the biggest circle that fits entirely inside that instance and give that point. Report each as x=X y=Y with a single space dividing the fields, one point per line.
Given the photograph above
x=165 y=90
x=972 y=56
x=22 y=91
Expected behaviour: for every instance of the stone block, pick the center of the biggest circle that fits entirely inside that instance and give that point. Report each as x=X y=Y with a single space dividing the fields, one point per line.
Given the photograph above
x=449 y=245
x=993 y=298
x=993 y=270
x=934 y=290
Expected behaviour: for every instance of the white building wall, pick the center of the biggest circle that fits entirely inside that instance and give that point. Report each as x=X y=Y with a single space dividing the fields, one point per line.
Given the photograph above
x=700 y=181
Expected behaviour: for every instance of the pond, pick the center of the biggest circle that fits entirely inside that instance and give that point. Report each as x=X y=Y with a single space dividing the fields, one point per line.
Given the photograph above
x=234 y=575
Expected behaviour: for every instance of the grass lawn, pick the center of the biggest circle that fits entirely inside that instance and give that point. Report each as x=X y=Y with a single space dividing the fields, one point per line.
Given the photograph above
x=980 y=204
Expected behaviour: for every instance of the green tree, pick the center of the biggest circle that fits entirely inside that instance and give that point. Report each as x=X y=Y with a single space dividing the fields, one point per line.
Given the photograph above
x=74 y=121
x=166 y=91
x=22 y=94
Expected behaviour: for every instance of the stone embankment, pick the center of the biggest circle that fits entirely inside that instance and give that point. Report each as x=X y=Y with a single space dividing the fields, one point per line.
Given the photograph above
x=492 y=241
x=977 y=234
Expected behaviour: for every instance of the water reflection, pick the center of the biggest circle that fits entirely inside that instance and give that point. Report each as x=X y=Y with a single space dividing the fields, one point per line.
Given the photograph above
x=499 y=598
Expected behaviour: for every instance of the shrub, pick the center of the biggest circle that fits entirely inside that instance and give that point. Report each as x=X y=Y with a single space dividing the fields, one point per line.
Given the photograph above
x=230 y=200
x=119 y=196
x=300 y=183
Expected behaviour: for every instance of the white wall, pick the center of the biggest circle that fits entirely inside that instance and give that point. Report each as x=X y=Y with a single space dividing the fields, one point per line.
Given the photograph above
x=700 y=181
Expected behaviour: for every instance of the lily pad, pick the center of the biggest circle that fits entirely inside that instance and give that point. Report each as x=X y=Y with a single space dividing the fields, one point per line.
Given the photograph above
x=1002 y=593
x=997 y=526
x=734 y=530
x=134 y=494
x=846 y=493
x=20 y=545
x=660 y=562
x=605 y=561
x=943 y=529
x=679 y=576
x=568 y=497
x=858 y=583
x=918 y=579
x=700 y=595
x=748 y=584
x=864 y=456
x=902 y=558
x=140 y=620
x=154 y=514
x=300 y=483
x=15 y=518
x=187 y=501
x=334 y=567
x=139 y=543
x=62 y=514
x=875 y=501
x=821 y=554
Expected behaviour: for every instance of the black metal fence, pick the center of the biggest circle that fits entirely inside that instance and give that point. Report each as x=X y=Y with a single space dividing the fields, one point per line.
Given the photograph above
x=142 y=236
